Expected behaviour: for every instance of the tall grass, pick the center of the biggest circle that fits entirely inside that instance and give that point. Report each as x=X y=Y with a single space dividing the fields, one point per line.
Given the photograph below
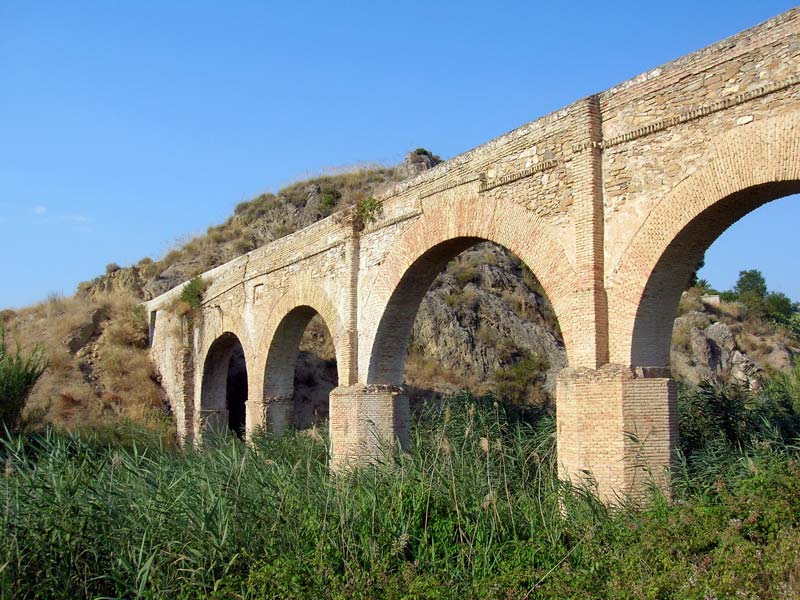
x=19 y=372
x=475 y=509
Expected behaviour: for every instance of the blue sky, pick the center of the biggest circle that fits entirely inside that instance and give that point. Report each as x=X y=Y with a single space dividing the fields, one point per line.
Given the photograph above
x=125 y=127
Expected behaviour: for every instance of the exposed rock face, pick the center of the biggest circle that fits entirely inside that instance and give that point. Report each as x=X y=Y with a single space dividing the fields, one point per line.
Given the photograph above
x=415 y=163
x=707 y=349
x=482 y=315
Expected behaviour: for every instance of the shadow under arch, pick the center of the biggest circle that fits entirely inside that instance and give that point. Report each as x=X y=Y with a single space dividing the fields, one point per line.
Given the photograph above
x=280 y=346
x=280 y=367
x=223 y=394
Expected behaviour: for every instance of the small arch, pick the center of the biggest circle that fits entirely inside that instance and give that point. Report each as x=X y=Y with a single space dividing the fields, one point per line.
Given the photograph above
x=223 y=395
x=280 y=374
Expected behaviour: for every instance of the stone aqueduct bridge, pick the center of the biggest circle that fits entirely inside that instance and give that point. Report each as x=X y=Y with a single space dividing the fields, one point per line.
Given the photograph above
x=610 y=201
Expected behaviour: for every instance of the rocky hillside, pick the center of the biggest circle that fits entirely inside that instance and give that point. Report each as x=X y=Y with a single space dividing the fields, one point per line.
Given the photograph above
x=485 y=324
x=719 y=341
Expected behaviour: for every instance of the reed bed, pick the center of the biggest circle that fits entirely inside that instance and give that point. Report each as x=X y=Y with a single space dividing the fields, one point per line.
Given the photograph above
x=474 y=510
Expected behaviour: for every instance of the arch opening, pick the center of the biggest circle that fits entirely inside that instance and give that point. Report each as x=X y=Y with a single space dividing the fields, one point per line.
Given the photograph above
x=658 y=306
x=224 y=389
x=469 y=314
x=300 y=372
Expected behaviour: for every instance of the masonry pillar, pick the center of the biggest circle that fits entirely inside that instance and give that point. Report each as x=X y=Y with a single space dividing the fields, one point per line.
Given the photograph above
x=585 y=168
x=278 y=413
x=617 y=427
x=212 y=421
x=184 y=398
x=366 y=421
x=270 y=414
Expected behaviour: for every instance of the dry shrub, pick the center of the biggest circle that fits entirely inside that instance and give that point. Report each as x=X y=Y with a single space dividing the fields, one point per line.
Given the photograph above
x=60 y=361
x=54 y=305
x=243 y=245
x=470 y=299
x=129 y=328
x=69 y=404
x=519 y=304
x=129 y=373
x=486 y=335
x=690 y=301
x=427 y=372
x=732 y=310
x=681 y=336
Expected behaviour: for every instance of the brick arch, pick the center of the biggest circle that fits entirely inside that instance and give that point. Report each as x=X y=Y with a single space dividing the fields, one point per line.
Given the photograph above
x=746 y=168
x=213 y=400
x=284 y=328
x=422 y=252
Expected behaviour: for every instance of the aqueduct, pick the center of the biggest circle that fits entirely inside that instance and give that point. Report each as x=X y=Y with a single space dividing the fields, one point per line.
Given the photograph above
x=610 y=201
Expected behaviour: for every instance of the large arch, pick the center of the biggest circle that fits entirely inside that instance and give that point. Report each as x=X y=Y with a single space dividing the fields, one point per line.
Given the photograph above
x=280 y=347
x=422 y=253
x=746 y=168
x=223 y=390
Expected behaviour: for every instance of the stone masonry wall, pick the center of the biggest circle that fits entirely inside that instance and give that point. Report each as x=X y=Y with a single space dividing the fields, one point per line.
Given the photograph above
x=610 y=201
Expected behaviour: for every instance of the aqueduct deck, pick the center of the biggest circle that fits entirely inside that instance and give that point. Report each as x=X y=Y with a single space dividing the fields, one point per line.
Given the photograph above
x=610 y=201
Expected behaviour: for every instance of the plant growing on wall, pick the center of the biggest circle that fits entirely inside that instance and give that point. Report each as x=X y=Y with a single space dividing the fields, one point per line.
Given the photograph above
x=192 y=292
x=191 y=298
x=367 y=210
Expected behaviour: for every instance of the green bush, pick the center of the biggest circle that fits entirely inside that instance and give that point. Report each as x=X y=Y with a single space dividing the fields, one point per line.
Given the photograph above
x=367 y=210
x=192 y=292
x=18 y=374
x=329 y=199
x=515 y=383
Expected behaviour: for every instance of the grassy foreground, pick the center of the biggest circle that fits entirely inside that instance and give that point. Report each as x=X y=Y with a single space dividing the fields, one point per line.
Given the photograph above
x=475 y=510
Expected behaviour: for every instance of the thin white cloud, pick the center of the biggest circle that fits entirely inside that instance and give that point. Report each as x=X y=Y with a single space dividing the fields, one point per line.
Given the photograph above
x=77 y=218
x=40 y=210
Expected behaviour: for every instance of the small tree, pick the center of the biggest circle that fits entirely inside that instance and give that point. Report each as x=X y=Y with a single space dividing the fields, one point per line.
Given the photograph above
x=18 y=374
x=751 y=282
x=750 y=290
x=778 y=304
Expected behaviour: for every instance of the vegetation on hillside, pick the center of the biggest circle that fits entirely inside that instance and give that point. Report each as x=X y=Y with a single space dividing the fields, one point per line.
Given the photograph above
x=264 y=219
x=750 y=291
x=475 y=510
x=18 y=374
x=99 y=370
